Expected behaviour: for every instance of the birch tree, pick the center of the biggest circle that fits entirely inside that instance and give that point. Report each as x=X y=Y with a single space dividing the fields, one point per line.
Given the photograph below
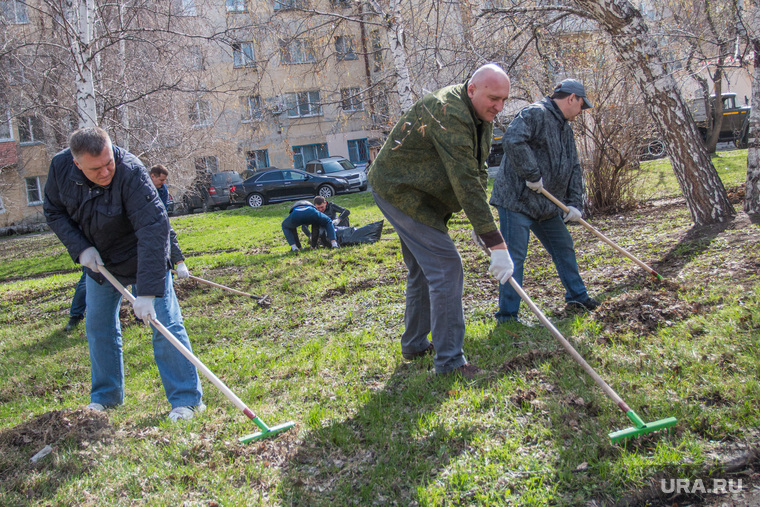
x=705 y=195
x=81 y=51
x=749 y=13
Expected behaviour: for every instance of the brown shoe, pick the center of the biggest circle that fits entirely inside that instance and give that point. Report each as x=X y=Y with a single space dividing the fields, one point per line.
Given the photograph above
x=469 y=371
x=412 y=356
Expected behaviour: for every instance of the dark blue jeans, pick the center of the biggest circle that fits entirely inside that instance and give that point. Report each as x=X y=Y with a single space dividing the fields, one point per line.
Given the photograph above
x=553 y=234
x=78 y=304
x=305 y=215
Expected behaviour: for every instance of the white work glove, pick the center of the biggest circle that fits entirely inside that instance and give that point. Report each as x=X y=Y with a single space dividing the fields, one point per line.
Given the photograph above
x=536 y=186
x=478 y=241
x=182 y=271
x=90 y=258
x=143 y=307
x=572 y=215
x=501 y=265
x=336 y=221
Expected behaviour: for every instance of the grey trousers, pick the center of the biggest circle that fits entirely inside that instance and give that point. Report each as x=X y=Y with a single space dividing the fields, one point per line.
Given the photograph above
x=434 y=287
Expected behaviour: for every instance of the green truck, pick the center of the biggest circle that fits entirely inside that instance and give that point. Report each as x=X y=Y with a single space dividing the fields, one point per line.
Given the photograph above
x=735 y=126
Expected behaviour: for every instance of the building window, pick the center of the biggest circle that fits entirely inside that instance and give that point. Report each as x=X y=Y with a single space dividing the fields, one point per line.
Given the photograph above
x=33 y=191
x=251 y=107
x=297 y=51
x=358 y=151
x=30 y=129
x=14 y=12
x=207 y=164
x=6 y=134
x=257 y=160
x=377 y=50
x=302 y=154
x=282 y=5
x=200 y=114
x=242 y=54
x=183 y=7
x=236 y=6
x=351 y=99
x=303 y=104
x=344 y=47
x=195 y=58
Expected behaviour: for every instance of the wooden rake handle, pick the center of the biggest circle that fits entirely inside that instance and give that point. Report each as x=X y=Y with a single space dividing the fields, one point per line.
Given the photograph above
x=261 y=299
x=602 y=236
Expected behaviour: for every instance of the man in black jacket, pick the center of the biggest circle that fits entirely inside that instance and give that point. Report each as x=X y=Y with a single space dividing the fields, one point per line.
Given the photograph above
x=338 y=215
x=540 y=152
x=102 y=205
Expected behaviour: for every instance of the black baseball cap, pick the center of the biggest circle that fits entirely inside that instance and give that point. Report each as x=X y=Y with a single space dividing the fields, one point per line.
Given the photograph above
x=576 y=87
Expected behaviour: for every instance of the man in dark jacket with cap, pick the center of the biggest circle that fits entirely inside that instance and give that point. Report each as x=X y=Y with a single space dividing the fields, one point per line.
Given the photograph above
x=101 y=203
x=540 y=151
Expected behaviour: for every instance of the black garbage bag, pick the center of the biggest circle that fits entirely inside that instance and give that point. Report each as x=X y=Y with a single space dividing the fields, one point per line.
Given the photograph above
x=355 y=235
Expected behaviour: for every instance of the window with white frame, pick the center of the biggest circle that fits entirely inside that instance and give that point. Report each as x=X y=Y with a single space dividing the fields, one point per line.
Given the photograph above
x=303 y=104
x=297 y=51
x=208 y=164
x=195 y=58
x=33 y=191
x=200 y=114
x=14 y=12
x=251 y=108
x=236 y=6
x=257 y=159
x=344 y=47
x=242 y=54
x=358 y=151
x=30 y=129
x=183 y=7
x=302 y=154
x=351 y=99
x=6 y=134
x=281 y=5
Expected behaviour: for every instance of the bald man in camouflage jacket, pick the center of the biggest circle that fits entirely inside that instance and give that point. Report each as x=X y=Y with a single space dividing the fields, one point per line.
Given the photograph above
x=432 y=165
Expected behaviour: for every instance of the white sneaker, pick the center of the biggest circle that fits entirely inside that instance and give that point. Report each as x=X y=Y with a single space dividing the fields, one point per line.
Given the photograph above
x=97 y=407
x=186 y=413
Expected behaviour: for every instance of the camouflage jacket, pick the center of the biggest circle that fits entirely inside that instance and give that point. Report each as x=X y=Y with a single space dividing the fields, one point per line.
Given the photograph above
x=539 y=143
x=433 y=163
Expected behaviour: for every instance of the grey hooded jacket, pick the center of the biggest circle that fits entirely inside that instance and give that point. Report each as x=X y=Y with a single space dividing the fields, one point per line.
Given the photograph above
x=539 y=143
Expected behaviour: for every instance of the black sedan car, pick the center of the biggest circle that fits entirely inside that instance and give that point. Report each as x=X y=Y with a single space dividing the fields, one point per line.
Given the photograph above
x=277 y=185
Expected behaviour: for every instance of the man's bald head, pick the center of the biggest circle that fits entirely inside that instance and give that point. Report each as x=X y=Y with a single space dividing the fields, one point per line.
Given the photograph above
x=488 y=89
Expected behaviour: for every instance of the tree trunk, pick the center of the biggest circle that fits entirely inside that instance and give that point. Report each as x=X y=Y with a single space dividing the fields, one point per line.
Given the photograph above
x=704 y=192
x=396 y=42
x=84 y=11
x=752 y=189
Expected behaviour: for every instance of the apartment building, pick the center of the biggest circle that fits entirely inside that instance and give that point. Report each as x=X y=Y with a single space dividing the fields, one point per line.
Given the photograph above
x=262 y=83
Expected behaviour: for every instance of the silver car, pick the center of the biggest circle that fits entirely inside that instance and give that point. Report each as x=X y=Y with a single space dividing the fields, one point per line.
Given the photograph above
x=339 y=167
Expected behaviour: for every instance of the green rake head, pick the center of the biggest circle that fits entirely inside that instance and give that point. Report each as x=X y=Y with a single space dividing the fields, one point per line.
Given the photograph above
x=641 y=427
x=266 y=431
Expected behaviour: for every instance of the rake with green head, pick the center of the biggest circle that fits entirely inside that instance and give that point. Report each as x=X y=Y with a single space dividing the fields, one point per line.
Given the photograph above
x=639 y=426
x=266 y=431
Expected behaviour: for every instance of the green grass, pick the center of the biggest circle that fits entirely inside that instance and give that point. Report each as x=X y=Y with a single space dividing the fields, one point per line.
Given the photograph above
x=370 y=427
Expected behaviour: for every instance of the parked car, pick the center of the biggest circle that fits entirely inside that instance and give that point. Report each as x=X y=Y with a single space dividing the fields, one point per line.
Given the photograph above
x=339 y=167
x=170 y=205
x=211 y=191
x=278 y=185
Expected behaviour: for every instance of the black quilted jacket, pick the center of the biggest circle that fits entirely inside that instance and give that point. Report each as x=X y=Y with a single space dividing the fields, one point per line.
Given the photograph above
x=125 y=221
